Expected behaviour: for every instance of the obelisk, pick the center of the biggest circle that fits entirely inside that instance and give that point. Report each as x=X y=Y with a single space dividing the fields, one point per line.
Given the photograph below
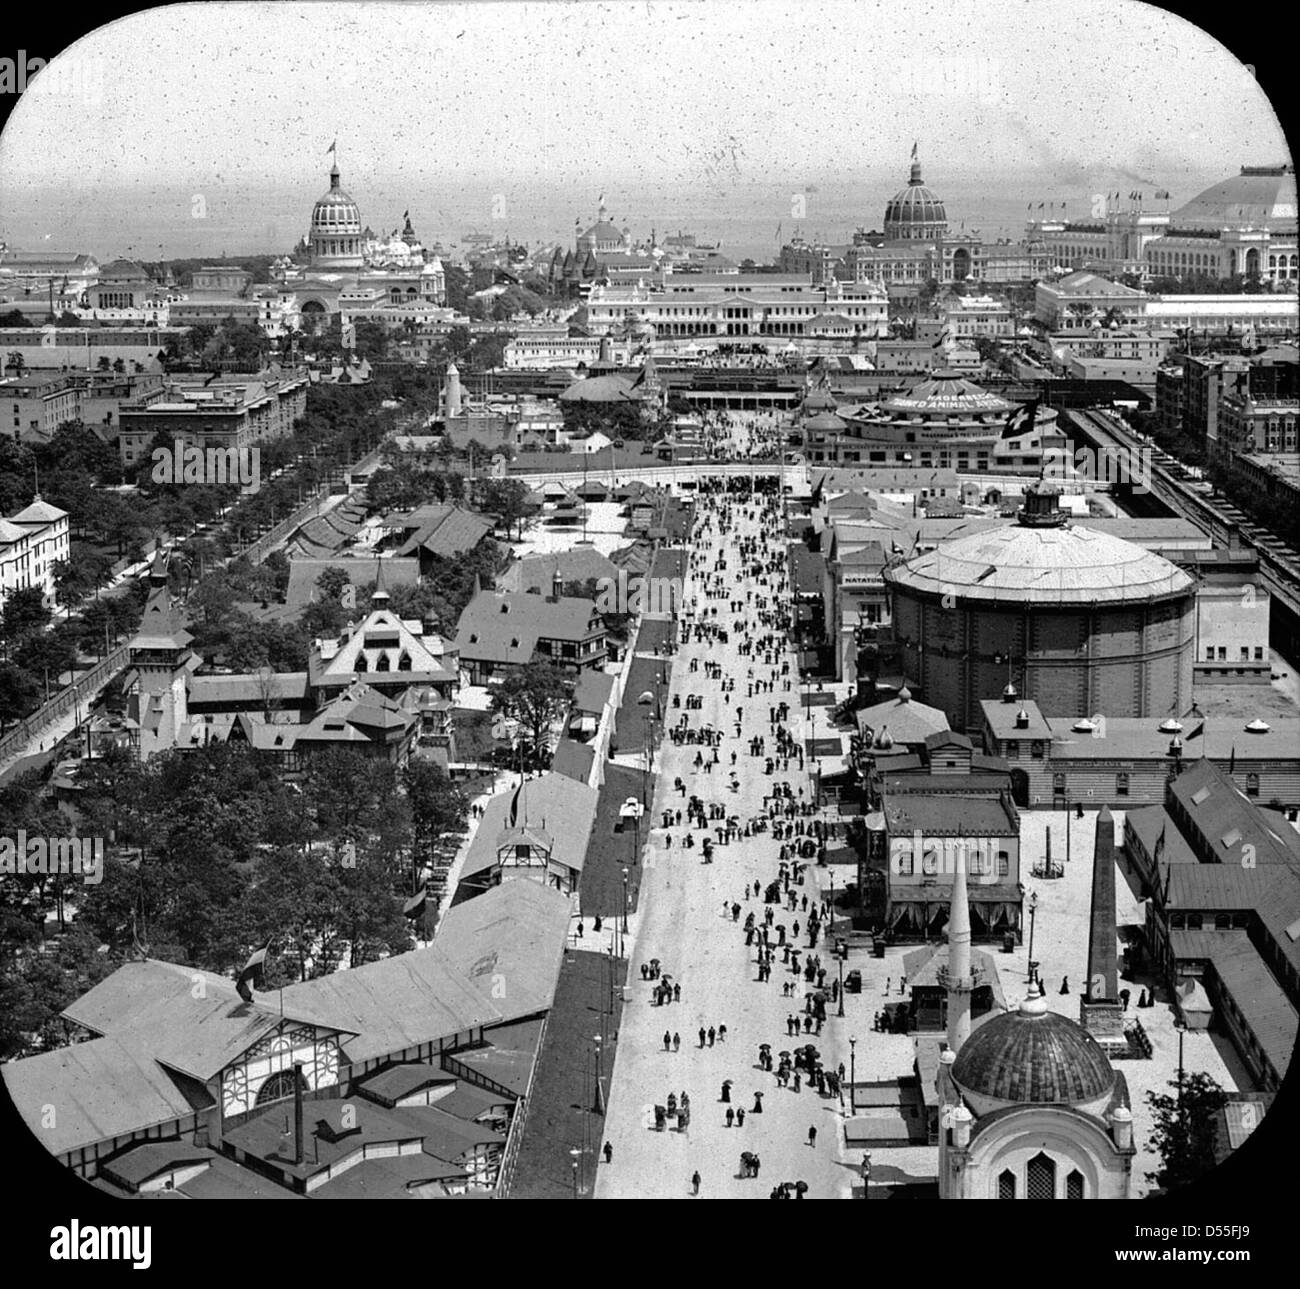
x=1100 y=1011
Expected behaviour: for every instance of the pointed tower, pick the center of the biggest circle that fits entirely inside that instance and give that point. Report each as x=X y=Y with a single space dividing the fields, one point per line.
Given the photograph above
x=453 y=392
x=958 y=977
x=160 y=667
x=1100 y=1011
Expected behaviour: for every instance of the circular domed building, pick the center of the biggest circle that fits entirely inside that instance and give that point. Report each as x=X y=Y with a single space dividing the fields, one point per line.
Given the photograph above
x=915 y=213
x=337 y=239
x=1083 y=621
x=1031 y=1108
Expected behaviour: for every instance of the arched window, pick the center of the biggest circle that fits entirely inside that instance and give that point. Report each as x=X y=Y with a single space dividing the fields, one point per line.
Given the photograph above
x=1074 y=1184
x=404 y=662
x=1006 y=1184
x=1040 y=1178
x=382 y=663
x=362 y=664
x=1252 y=785
x=276 y=1088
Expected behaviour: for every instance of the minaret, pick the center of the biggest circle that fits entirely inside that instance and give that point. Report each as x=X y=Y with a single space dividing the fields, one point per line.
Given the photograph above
x=958 y=979
x=1100 y=1011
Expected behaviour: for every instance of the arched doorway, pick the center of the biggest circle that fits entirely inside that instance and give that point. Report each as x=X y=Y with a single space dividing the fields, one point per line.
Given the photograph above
x=1020 y=787
x=1252 y=262
x=313 y=315
x=960 y=264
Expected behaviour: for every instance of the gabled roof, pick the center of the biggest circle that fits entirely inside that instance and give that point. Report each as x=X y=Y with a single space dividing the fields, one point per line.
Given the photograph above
x=592 y=691
x=554 y=804
x=516 y=932
x=153 y=1003
x=395 y=1004
x=108 y=1087
x=505 y=626
x=574 y=760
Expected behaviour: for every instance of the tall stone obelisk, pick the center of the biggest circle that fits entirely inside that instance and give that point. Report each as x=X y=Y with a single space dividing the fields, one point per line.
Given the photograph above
x=1100 y=1011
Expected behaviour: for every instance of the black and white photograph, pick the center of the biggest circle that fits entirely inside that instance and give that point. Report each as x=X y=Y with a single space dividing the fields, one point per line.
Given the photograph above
x=649 y=600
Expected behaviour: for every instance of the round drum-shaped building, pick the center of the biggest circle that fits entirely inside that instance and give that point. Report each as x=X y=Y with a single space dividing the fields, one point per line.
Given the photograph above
x=1083 y=622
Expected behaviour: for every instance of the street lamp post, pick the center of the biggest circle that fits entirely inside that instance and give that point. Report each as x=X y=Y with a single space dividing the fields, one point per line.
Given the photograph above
x=866 y=1174
x=853 y=1072
x=1033 y=908
x=575 y=1153
x=599 y=1105
x=625 y=901
x=841 y=1010
x=1181 y=1027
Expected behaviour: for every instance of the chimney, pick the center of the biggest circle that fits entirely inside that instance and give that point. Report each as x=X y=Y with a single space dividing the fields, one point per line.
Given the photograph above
x=557 y=584
x=297 y=1113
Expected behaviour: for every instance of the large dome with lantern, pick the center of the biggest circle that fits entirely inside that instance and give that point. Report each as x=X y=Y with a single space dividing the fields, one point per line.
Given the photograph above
x=915 y=213
x=337 y=239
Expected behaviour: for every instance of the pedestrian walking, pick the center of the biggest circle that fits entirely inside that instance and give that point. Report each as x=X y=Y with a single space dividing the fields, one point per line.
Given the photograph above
x=1065 y=985
x=713 y=1034
x=758 y=1103
x=668 y=1040
x=812 y=1137
x=702 y=1036
x=609 y=1152
x=731 y=1116
x=677 y=993
x=740 y=1117
x=695 y=1182
x=722 y=1033
x=677 y=1042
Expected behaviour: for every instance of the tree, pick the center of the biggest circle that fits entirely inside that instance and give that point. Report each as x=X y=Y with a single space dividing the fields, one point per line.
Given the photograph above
x=25 y=613
x=504 y=498
x=20 y=692
x=1186 y=1129
x=534 y=696
x=438 y=807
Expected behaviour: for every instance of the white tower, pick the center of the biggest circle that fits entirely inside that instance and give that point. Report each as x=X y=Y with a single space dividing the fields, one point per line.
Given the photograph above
x=453 y=391
x=958 y=977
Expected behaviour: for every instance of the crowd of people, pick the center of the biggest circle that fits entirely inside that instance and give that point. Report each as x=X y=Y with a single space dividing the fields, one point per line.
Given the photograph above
x=739 y=595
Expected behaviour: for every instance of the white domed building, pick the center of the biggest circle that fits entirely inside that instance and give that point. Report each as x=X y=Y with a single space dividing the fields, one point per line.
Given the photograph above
x=1080 y=620
x=336 y=236
x=353 y=272
x=915 y=213
x=1244 y=226
x=1031 y=1108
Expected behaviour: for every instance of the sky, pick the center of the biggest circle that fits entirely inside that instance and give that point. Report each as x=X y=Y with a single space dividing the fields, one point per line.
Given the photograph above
x=682 y=93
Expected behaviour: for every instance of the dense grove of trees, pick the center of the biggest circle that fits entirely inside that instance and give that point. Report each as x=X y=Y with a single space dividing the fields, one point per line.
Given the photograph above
x=210 y=855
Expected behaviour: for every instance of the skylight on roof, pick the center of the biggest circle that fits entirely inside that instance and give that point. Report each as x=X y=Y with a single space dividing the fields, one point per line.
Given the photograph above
x=1198 y=797
x=1232 y=838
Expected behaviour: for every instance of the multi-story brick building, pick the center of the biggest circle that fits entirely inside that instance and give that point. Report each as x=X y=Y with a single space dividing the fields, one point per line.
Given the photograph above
x=228 y=413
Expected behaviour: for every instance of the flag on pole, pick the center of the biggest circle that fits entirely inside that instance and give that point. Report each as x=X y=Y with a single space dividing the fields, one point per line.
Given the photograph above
x=414 y=907
x=252 y=971
x=914 y=147
x=1020 y=420
x=331 y=147
x=513 y=817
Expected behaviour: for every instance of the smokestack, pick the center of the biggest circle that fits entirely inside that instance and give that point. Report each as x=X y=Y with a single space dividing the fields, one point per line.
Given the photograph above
x=297 y=1113
x=959 y=980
